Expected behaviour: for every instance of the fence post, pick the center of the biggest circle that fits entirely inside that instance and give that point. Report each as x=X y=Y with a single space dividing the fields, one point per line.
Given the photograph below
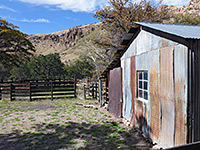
x=30 y=99
x=84 y=92
x=0 y=89
x=51 y=90
x=92 y=90
x=100 y=92
x=74 y=87
x=96 y=90
x=11 y=87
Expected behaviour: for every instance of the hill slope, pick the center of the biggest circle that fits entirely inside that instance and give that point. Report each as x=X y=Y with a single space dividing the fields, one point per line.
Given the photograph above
x=66 y=42
x=62 y=42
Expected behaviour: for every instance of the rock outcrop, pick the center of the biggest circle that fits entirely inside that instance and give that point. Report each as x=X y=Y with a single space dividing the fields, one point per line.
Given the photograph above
x=62 y=42
x=192 y=8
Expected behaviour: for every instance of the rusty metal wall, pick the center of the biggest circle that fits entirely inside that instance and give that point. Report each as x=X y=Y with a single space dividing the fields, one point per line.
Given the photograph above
x=143 y=64
x=165 y=62
x=115 y=92
x=127 y=97
x=167 y=96
x=133 y=88
x=154 y=86
x=140 y=115
x=181 y=88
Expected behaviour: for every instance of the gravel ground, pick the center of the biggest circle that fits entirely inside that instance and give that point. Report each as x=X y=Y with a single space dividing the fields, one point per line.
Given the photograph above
x=61 y=124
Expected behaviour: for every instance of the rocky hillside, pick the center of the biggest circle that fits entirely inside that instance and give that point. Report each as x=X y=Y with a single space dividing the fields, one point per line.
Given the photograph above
x=192 y=8
x=65 y=42
x=62 y=42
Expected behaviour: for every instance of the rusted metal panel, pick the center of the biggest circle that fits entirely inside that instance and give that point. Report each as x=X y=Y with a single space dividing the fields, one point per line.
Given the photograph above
x=140 y=114
x=142 y=64
x=167 y=96
x=115 y=92
x=127 y=104
x=146 y=42
x=155 y=121
x=181 y=76
x=133 y=88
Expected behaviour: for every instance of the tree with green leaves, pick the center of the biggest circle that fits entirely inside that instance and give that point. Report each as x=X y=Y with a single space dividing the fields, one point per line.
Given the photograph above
x=81 y=68
x=14 y=47
x=21 y=72
x=46 y=67
x=4 y=73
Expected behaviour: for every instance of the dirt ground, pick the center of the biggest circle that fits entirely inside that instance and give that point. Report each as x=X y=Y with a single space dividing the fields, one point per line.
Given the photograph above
x=61 y=124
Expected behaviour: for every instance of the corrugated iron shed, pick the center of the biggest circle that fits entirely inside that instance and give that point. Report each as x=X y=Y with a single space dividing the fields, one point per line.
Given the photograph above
x=183 y=31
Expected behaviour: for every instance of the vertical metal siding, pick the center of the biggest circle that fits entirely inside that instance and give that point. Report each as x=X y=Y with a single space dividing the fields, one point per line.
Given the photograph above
x=167 y=96
x=180 y=77
x=142 y=109
x=194 y=93
x=115 y=92
x=167 y=88
x=127 y=103
x=133 y=88
x=154 y=93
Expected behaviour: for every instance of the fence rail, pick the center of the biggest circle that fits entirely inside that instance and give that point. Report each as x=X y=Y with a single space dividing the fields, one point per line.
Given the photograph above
x=35 y=89
x=88 y=89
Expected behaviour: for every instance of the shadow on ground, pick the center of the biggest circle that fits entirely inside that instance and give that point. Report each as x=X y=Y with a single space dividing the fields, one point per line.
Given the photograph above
x=71 y=135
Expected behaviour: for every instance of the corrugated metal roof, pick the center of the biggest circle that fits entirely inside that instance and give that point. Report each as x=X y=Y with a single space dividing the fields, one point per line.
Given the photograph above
x=185 y=31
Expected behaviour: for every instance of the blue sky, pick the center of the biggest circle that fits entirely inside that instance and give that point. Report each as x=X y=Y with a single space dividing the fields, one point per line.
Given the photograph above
x=46 y=16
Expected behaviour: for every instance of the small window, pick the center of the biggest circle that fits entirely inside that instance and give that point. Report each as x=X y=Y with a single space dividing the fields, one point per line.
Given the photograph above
x=143 y=84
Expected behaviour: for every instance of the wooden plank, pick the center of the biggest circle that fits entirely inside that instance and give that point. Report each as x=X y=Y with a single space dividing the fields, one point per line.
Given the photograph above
x=63 y=93
x=40 y=90
x=75 y=87
x=57 y=90
x=41 y=94
x=21 y=95
x=22 y=88
x=65 y=86
x=21 y=84
x=51 y=90
x=11 y=88
x=5 y=92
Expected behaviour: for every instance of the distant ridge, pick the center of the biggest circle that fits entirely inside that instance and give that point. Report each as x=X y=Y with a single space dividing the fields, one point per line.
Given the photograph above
x=62 y=42
x=65 y=42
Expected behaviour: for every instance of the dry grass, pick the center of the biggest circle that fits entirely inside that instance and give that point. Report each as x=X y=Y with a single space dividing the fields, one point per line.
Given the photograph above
x=61 y=124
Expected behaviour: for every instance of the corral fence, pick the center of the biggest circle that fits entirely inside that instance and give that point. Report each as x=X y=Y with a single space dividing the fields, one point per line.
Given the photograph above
x=98 y=89
x=87 y=89
x=37 y=89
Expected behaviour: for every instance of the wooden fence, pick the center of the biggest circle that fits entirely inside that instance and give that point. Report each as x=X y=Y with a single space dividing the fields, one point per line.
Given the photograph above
x=34 y=89
x=88 y=89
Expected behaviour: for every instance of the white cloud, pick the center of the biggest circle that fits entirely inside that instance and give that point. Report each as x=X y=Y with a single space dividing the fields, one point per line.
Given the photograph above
x=89 y=5
x=74 y=5
x=41 y=20
x=7 y=8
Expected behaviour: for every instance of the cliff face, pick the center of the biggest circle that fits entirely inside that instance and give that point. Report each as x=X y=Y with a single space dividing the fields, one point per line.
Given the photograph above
x=194 y=3
x=192 y=8
x=62 y=42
